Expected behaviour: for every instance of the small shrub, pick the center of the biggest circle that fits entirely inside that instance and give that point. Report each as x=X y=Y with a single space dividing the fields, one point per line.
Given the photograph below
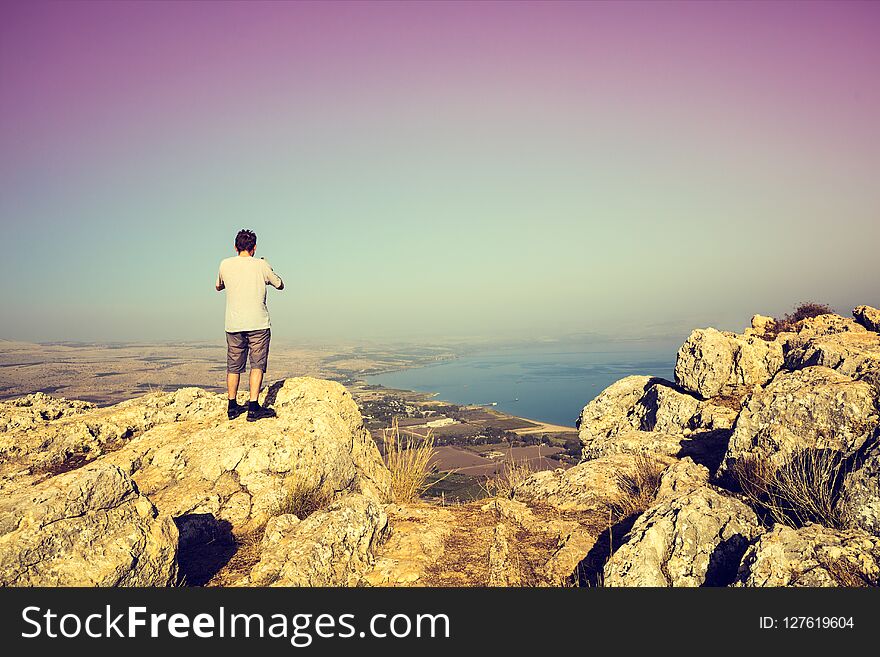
x=801 y=312
x=847 y=574
x=408 y=457
x=303 y=497
x=805 y=489
x=247 y=553
x=638 y=486
x=511 y=477
x=754 y=476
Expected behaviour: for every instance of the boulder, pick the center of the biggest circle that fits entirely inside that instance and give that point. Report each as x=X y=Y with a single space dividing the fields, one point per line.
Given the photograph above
x=827 y=324
x=588 y=486
x=706 y=448
x=90 y=527
x=240 y=472
x=811 y=556
x=70 y=433
x=860 y=493
x=611 y=410
x=712 y=362
x=666 y=409
x=684 y=477
x=636 y=442
x=694 y=535
x=812 y=408
x=333 y=547
x=868 y=317
x=761 y=326
x=853 y=353
x=640 y=404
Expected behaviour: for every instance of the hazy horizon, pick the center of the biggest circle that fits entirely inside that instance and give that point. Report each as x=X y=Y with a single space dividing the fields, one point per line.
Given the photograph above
x=426 y=170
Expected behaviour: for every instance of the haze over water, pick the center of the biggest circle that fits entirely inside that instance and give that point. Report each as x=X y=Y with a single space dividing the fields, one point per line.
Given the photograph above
x=546 y=382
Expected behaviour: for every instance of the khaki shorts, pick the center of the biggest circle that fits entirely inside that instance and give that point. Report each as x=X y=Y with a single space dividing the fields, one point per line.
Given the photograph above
x=238 y=345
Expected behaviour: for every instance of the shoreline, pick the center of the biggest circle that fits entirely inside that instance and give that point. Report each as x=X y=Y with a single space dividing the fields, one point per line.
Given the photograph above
x=537 y=426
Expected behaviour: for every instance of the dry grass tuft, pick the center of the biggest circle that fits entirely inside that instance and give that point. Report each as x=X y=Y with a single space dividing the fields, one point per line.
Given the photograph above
x=511 y=477
x=408 y=456
x=303 y=497
x=805 y=489
x=638 y=487
x=248 y=547
x=847 y=574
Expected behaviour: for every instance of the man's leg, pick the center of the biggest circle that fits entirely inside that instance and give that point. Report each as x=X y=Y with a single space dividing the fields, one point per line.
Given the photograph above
x=236 y=355
x=232 y=380
x=258 y=342
x=256 y=382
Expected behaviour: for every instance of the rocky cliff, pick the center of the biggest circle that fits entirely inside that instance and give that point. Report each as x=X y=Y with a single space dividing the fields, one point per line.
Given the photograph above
x=175 y=483
x=757 y=466
x=775 y=438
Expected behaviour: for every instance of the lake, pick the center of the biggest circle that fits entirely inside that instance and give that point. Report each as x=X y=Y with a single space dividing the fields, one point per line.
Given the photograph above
x=550 y=382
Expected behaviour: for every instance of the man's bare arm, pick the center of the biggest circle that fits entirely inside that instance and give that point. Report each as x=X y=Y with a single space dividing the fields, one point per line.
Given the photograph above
x=272 y=278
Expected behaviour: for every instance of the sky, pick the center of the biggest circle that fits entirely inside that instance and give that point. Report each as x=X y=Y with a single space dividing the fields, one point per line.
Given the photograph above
x=436 y=170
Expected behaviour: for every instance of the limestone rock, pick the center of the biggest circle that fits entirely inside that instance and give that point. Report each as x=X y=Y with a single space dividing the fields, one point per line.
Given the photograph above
x=761 y=325
x=503 y=571
x=860 y=493
x=610 y=412
x=515 y=511
x=334 y=547
x=663 y=408
x=572 y=543
x=635 y=442
x=34 y=410
x=815 y=407
x=75 y=430
x=853 y=353
x=90 y=527
x=240 y=472
x=811 y=556
x=324 y=408
x=707 y=448
x=636 y=406
x=712 y=362
x=562 y=568
x=417 y=536
x=827 y=324
x=681 y=478
x=694 y=537
x=588 y=486
x=868 y=317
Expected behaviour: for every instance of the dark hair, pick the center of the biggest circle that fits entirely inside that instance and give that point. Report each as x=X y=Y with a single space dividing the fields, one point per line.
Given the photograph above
x=246 y=240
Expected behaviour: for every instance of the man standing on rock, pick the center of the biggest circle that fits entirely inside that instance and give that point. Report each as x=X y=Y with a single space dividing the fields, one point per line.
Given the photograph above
x=247 y=321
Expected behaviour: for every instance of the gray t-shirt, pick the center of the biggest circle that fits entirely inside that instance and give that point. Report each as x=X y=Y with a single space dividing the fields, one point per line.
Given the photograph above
x=245 y=279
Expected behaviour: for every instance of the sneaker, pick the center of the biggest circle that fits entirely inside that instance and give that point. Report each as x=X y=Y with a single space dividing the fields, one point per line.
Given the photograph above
x=234 y=410
x=256 y=412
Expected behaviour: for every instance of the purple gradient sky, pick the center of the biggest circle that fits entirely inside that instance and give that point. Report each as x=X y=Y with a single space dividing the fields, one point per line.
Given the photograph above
x=120 y=114
x=114 y=65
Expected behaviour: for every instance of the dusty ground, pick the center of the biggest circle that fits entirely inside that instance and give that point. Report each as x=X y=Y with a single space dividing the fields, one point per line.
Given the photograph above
x=474 y=544
x=468 y=545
